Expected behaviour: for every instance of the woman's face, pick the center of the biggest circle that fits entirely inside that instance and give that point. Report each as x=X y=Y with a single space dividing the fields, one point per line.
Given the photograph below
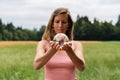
x=60 y=23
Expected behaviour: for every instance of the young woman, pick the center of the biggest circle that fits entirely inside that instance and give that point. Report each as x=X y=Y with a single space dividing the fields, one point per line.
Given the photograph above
x=60 y=63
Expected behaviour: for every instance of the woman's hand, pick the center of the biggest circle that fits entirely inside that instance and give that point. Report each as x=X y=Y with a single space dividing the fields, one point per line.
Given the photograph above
x=66 y=46
x=54 y=45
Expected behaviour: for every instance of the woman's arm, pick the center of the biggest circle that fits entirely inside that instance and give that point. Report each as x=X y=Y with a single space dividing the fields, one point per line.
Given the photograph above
x=43 y=57
x=77 y=55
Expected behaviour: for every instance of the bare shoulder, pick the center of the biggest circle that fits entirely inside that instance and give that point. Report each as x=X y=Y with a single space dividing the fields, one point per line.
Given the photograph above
x=78 y=49
x=77 y=43
x=42 y=43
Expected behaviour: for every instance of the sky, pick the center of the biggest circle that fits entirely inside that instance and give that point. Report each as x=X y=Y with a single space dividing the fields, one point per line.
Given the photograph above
x=35 y=13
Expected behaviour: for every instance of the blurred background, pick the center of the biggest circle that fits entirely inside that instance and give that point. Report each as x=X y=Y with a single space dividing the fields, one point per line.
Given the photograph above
x=97 y=27
x=26 y=19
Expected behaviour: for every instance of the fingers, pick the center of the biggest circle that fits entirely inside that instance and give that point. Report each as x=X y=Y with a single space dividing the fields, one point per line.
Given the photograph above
x=66 y=46
x=68 y=43
x=54 y=45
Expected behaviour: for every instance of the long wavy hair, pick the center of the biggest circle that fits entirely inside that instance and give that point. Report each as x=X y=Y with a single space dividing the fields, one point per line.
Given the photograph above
x=49 y=31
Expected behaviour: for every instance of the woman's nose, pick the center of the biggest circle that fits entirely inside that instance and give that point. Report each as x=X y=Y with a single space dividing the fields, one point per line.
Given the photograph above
x=60 y=24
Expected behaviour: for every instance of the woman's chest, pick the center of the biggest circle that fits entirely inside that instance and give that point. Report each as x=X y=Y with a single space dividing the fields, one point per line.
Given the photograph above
x=60 y=60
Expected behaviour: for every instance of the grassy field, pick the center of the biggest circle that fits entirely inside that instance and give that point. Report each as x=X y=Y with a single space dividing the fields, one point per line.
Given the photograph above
x=102 y=61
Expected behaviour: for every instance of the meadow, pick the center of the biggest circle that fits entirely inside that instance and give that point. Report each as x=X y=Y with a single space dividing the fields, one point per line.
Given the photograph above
x=102 y=61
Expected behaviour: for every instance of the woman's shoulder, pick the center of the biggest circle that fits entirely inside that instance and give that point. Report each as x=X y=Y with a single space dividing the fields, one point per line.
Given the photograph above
x=76 y=42
x=77 y=45
x=43 y=42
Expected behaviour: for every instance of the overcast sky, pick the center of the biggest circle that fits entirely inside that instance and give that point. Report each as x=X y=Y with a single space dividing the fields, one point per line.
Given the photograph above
x=34 y=13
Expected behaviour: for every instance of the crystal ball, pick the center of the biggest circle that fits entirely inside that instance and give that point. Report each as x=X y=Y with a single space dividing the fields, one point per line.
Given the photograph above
x=61 y=38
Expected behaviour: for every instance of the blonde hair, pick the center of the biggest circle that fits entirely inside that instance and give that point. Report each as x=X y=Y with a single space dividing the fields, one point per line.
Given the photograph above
x=50 y=33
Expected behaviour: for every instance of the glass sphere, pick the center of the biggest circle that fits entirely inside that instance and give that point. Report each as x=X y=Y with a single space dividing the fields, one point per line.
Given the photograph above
x=61 y=38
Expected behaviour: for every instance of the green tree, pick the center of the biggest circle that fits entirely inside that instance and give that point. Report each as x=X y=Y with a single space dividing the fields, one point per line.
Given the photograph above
x=107 y=30
x=10 y=27
x=40 y=32
x=82 y=28
x=86 y=29
x=22 y=35
x=0 y=36
x=32 y=35
x=7 y=35
x=116 y=35
x=118 y=22
x=77 y=26
x=97 y=30
x=1 y=29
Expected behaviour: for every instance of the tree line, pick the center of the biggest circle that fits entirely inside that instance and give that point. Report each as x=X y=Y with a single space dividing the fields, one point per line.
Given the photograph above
x=8 y=32
x=96 y=30
x=84 y=29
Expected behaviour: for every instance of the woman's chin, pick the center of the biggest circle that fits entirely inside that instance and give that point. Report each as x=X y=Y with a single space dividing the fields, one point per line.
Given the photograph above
x=60 y=32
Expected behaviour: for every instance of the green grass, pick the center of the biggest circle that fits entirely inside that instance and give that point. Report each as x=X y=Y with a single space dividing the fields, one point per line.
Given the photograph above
x=16 y=63
x=102 y=62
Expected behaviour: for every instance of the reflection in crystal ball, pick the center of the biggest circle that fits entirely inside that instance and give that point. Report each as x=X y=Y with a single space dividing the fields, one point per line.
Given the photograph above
x=61 y=38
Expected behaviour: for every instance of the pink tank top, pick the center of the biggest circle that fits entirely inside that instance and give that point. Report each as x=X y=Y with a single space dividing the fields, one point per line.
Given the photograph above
x=60 y=67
